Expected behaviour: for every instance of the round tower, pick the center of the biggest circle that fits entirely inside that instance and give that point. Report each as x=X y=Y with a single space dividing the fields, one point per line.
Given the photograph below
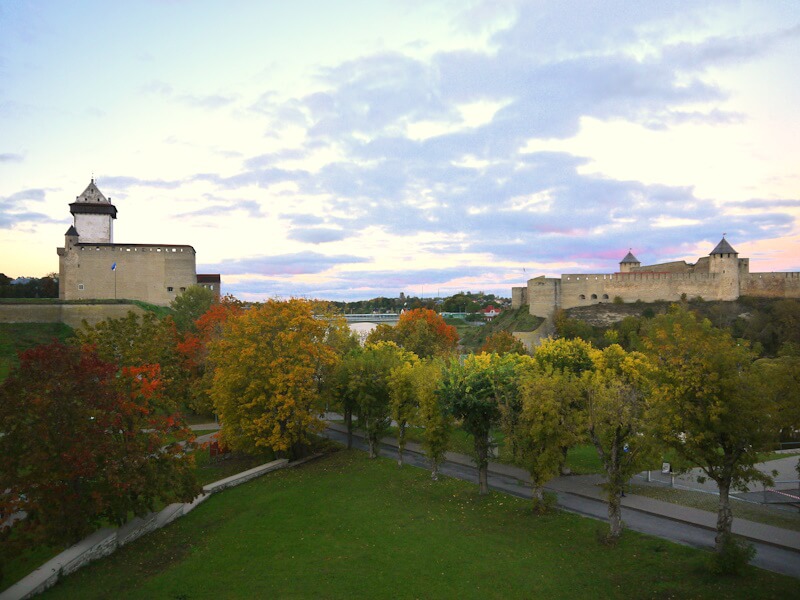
x=93 y=216
x=629 y=263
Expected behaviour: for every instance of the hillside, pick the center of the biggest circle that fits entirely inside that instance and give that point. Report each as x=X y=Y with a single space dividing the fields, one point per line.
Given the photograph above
x=473 y=335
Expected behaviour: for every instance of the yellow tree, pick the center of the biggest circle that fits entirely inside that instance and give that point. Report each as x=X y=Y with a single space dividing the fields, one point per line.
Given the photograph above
x=267 y=363
x=615 y=395
x=710 y=404
x=432 y=415
x=546 y=423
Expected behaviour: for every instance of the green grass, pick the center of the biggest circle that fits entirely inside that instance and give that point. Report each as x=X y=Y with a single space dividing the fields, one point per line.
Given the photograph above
x=709 y=502
x=348 y=527
x=16 y=337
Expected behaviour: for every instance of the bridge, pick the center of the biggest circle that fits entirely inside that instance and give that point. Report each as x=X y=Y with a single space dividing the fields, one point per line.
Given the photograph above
x=372 y=318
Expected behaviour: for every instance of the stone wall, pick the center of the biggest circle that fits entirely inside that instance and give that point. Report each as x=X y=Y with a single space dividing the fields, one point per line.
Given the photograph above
x=69 y=314
x=519 y=297
x=771 y=285
x=151 y=273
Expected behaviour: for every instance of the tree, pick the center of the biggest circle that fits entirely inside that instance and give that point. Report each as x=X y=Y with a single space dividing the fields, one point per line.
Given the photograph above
x=403 y=401
x=503 y=342
x=421 y=331
x=190 y=305
x=709 y=405
x=615 y=399
x=471 y=392
x=573 y=356
x=83 y=443
x=265 y=367
x=432 y=416
x=193 y=351
x=136 y=340
x=547 y=422
x=369 y=386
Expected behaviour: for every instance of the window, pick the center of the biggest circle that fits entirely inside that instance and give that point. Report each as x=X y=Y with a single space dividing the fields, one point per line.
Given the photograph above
x=169 y=288
x=605 y=296
x=582 y=297
x=80 y=286
x=183 y=289
x=594 y=296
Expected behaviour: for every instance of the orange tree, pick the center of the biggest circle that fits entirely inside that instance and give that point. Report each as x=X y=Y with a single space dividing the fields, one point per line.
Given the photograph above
x=266 y=367
x=83 y=442
x=503 y=342
x=193 y=351
x=421 y=331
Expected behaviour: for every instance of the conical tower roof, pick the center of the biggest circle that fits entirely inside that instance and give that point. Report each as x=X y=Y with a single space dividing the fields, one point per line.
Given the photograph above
x=93 y=202
x=723 y=248
x=629 y=258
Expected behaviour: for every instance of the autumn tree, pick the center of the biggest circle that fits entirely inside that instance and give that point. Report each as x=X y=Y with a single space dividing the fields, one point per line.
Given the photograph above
x=546 y=423
x=84 y=443
x=403 y=401
x=369 y=386
x=265 y=367
x=136 y=340
x=190 y=305
x=709 y=404
x=421 y=331
x=193 y=352
x=472 y=392
x=432 y=414
x=615 y=395
x=568 y=356
x=503 y=342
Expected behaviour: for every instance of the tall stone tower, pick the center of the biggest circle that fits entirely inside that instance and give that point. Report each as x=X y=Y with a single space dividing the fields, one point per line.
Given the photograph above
x=93 y=216
x=724 y=266
x=629 y=263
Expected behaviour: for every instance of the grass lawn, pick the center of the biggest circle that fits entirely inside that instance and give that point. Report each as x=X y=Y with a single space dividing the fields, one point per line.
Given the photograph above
x=347 y=527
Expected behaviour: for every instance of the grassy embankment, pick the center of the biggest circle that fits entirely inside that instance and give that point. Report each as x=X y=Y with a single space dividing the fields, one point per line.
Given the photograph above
x=348 y=527
x=472 y=335
x=17 y=337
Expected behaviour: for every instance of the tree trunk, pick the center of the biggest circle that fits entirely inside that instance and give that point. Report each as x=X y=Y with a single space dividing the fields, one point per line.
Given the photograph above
x=435 y=471
x=614 y=515
x=401 y=442
x=348 y=419
x=724 y=515
x=483 y=479
x=372 y=444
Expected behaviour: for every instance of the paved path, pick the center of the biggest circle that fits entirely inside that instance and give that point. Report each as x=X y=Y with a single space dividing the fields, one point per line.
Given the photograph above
x=778 y=549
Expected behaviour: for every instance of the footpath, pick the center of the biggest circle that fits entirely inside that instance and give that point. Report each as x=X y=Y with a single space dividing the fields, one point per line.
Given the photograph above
x=588 y=487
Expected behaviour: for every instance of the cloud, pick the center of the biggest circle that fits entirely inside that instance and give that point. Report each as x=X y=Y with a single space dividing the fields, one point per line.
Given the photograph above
x=283 y=264
x=123 y=182
x=13 y=209
x=11 y=157
x=319 y=235
x=210 y=101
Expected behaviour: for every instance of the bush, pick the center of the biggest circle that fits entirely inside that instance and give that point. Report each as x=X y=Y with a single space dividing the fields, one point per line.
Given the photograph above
x=736 y=554
x=618 y=300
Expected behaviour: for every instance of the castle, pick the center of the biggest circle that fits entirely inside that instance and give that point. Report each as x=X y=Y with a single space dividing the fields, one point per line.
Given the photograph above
x=721 y=275
x=92 y=266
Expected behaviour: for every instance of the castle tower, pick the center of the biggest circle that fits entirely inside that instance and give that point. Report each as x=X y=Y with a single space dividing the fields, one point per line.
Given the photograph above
x=93 y=216
x=629 y=263
x=724 y=265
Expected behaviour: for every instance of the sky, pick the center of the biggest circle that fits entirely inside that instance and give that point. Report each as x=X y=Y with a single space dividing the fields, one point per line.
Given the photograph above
x=354 y=149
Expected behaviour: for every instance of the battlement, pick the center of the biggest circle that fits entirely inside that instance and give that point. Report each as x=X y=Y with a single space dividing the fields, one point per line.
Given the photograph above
x=166 y=248
x=720 y=276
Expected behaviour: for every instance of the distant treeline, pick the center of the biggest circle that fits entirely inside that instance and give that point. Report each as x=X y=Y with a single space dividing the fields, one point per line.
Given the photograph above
x=43 y=287
x=461 y=302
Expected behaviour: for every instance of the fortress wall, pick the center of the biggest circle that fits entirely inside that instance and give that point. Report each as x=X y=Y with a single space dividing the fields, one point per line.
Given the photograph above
x=143 y=272
x=70 y=314
x=519 y=297
x=544 y=296
x=678 y=266
x=647 y=287
x=771 y=285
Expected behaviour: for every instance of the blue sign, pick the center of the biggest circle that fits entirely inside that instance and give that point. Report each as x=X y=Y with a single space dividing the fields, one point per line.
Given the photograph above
x=114 y=267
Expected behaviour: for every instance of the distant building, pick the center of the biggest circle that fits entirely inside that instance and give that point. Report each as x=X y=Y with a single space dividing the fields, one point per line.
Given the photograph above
x=212 y=282
x=721 y=275
x=93 y=267
x=490 y=312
